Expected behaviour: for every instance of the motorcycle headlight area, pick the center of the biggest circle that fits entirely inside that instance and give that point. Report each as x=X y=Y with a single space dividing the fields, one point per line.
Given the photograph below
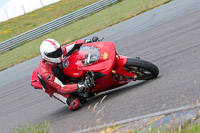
x=92 y=55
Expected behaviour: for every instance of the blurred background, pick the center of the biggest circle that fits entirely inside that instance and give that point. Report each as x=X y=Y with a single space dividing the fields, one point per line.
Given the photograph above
x=14 y=8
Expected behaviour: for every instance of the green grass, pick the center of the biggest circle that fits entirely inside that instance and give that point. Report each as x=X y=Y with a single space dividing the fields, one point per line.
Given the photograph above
x=81 y=28
x=42 y=127
x=187 y=128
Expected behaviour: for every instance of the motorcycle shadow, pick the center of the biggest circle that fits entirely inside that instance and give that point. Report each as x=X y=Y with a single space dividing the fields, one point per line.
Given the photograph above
x=116 y=91
x=99 y=98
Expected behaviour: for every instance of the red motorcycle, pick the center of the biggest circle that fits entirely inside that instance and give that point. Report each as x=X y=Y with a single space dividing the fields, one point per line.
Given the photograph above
x=109 y=70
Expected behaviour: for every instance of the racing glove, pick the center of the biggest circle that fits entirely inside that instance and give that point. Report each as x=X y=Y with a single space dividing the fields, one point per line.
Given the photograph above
x=94 y=39
x=88 y=83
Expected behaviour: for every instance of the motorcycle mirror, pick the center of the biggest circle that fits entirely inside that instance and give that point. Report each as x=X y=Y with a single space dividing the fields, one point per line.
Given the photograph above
x=102 y=39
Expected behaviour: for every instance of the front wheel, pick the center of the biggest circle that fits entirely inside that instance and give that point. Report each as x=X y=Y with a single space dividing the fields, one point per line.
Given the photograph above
x=143 y=70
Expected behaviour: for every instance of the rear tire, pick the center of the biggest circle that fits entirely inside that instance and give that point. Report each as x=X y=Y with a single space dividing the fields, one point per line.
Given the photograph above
x=143 y=70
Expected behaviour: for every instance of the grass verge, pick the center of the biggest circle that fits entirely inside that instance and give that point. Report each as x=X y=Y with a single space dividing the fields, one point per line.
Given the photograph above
x=42 y=127
x=119 y=12
x=188 y=128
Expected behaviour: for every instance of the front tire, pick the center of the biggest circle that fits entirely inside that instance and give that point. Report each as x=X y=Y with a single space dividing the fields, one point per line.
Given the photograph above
x=143 y=70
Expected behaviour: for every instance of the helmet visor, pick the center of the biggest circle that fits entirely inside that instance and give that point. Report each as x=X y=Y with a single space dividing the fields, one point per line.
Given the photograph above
x=56 y=54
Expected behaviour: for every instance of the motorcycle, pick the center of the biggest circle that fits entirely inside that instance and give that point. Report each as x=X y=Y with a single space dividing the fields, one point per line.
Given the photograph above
x=99 y=61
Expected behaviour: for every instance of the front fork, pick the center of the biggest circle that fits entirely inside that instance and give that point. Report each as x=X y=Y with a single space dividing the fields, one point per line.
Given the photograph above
x=120 y=73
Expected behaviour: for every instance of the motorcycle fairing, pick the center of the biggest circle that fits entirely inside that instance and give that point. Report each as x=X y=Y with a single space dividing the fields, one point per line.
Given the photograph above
x=76 y=68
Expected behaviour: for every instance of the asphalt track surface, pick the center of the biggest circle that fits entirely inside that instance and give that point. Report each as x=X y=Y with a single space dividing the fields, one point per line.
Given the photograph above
x=168 y=36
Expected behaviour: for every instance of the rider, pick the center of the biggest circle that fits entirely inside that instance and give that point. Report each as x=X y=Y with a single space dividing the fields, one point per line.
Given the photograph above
x=51 y=76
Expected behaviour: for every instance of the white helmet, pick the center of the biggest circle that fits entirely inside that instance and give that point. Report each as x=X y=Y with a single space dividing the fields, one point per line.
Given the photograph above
x=51 y=51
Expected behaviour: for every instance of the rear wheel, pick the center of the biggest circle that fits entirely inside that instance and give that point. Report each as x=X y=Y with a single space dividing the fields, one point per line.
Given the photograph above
x=143 y=70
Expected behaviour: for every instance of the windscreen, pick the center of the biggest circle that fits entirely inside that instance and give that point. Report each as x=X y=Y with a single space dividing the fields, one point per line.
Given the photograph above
x=92 y=55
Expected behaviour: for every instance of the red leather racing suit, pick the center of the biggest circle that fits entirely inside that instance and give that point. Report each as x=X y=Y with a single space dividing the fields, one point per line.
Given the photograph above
x=51 y=84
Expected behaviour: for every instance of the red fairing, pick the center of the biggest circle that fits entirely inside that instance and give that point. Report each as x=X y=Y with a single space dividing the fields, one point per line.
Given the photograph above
x=76 y=68
x=121 y=61
x=119 y=67
x=74 y=65
x=106 y=60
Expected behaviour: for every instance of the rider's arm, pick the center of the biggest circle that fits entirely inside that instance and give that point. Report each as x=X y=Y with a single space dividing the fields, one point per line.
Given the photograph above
x=74 y=45
x=55 y=83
